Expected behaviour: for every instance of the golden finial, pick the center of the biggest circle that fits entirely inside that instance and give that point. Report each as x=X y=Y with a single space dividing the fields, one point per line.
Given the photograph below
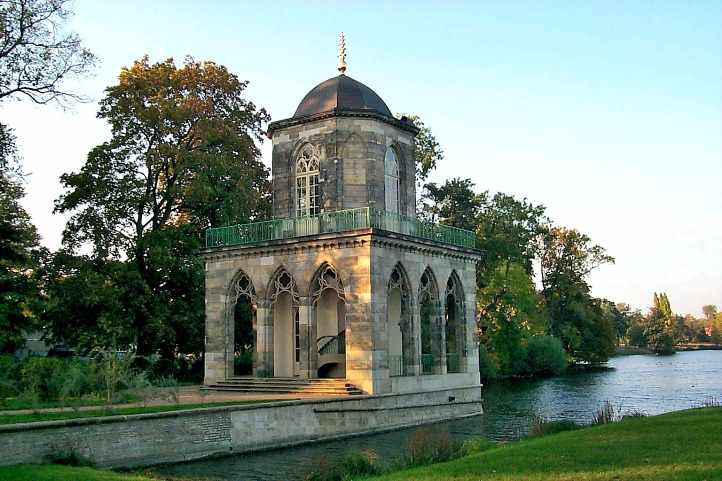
x=342 y=54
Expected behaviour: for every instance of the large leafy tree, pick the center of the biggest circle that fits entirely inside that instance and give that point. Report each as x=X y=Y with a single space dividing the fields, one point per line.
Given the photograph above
x=37 y=54
x=182 y=157
x=567 y=258
x=19 y=252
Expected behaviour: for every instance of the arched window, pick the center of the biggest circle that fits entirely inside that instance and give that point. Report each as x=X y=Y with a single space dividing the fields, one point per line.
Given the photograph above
x=307 y=193
x=391 y=181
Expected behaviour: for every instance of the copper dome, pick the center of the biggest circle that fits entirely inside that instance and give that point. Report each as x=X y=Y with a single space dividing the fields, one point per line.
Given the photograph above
x=341 y=94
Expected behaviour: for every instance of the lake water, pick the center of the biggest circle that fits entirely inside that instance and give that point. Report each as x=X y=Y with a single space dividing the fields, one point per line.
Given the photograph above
x=652 y=384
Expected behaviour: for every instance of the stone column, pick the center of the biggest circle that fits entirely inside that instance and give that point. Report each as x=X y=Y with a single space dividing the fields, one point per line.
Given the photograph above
x=470 y=343
x=215 y=334
x=263 y=362
x=306 y=366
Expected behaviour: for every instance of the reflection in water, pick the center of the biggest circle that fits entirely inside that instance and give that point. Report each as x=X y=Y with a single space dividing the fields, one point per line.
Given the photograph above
x=651 y=384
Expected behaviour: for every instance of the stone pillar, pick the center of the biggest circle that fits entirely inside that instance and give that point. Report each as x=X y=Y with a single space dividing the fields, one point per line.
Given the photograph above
x=263 y=362
x=215 y=334
x=471 y=343
x=306 y=366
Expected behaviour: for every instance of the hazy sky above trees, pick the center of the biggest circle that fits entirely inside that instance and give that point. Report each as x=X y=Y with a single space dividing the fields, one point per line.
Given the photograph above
x=608 y=113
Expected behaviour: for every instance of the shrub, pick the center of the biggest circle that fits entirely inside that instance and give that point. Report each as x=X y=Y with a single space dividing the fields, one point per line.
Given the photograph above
x=44 y=377
x=541 y=426
x=243 y=363
x=9 y=376
x=545 y=356
x=636 y=413
x=605 y=414
x=363 y=463
x=429 y=445
x=488 y=365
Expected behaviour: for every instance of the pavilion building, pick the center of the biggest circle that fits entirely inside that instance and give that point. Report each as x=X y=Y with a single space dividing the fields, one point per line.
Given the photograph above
x=345 y=282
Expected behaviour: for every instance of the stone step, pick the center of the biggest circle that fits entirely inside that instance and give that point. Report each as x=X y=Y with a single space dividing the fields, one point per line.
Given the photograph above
x=286 y=379
x=243 y=382
x=284 y=385
x=280 y=390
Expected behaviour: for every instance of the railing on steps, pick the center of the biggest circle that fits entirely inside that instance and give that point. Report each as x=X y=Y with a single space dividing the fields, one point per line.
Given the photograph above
x=332 y=344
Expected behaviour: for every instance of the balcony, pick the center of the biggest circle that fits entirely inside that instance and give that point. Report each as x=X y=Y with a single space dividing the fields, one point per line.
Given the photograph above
x=338 y=221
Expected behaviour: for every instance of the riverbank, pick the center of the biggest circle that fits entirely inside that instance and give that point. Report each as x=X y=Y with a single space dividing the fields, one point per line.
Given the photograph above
x=679 y=446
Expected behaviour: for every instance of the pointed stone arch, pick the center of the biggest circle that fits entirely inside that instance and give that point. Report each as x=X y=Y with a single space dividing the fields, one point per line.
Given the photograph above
x=430 y=323
x=401 y=341
x=454 y=324
x=328 y=322
x=282 y=327
x=242 y=325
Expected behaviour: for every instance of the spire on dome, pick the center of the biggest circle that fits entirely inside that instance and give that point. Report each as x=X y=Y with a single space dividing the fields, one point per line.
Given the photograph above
x=342 y=54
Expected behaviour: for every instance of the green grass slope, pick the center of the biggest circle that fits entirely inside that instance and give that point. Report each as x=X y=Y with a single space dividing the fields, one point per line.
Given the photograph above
x=685 y=445
x=55 y=472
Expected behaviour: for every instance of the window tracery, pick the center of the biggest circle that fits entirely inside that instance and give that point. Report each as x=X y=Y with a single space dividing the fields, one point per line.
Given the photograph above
x=243 y=287
x=307 y=182
x=284 y=282
x=327 y=279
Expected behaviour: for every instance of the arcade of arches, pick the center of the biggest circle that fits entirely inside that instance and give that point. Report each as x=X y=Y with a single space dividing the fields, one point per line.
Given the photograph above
x=433 y=344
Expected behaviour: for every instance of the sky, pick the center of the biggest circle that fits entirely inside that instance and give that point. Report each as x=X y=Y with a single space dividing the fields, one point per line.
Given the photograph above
x=607 y=113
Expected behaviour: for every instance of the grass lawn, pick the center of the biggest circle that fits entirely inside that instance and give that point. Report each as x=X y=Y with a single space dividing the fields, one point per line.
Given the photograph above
x=54 y=472
x=685 y=445
x=53 y=416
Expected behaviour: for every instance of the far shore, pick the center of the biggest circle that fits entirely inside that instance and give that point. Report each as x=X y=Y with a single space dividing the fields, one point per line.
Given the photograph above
x=697 y=346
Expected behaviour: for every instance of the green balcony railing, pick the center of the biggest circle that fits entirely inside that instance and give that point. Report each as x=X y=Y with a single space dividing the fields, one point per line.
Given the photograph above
x=338 y=221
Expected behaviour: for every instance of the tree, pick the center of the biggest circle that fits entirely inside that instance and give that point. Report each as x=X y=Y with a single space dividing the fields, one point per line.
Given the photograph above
x=567 y=258
x=454 y=203
x=428 y=150
x=659 y=326
x=182 y=157
x=36 y=53
x=710 y=312
x=509 y=312
x=19 y=252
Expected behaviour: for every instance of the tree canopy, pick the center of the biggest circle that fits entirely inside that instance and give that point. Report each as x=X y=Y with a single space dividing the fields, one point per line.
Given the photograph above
x=37 y=54
x=182 y=156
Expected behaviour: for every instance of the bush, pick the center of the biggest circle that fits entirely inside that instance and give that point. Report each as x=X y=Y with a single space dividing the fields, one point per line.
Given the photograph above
x=243 y=363
x=429 y=445
x=541 y=426
x=9 y=376
x=605 y=414
x=545 y=356
x=43 y=376
x=488 y=366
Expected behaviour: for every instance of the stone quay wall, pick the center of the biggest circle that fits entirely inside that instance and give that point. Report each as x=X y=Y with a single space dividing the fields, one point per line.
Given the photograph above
x=147 y=439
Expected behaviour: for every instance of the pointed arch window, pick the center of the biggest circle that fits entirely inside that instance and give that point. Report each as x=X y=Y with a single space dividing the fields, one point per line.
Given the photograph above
x=307 y=191
x=391 y=181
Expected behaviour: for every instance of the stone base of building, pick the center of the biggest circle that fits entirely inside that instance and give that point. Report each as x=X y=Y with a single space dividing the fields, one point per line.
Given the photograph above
x=147 y=439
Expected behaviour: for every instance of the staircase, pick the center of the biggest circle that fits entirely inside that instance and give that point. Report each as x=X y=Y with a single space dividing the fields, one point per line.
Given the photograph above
x=277 y=385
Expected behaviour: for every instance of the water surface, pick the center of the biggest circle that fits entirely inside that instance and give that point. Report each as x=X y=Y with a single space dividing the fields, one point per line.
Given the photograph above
x=651 y=384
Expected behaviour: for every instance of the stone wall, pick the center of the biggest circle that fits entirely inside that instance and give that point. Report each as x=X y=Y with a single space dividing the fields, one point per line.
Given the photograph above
x=351 y=153
x=146 y=439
